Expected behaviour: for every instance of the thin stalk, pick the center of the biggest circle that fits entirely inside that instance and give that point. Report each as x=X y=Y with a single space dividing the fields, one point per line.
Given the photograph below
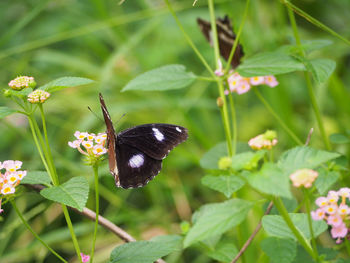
x=223 y=109
x=234 y=123
x=206 y=79
x=33 y=232
x=313 y=20
x=274 y=114
x=189 y=40
x=308 y=83
x=71 y=230
x=284 y=213
x=95 y=168
x=239 y=32
x=309 y=221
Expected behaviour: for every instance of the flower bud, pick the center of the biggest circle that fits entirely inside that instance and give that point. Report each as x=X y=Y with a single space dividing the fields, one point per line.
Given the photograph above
x=38 y=96
x=225 y=163
x=22 y=82
x=219 y=102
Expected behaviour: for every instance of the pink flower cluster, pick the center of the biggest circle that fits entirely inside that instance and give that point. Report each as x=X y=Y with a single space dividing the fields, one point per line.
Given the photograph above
x=263 y=141
x=303 y=177
x=38 y=96
x=10 y=177
x=94 y=144
x=334 y=210
x=84 y=258
x=22 y=82
x=241 y=85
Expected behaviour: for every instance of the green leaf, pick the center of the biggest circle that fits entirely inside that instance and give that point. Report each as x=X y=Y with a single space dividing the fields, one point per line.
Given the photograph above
x=226 y=184
x=322 y=69
x=247 y=160
x=339 y=138
x=279 y=250
x=270 y=63
x=37 y=177
x=211 y=158
x=164 y=78
x=73 y=193
x=304 y=157
x=146 y=251
x=65 y=82
x=18 y=93
x=325 y=253
x=224 y=252
x=270 y=180
x=217 y=218
x=5 y=111
x=274 y=225
x=307 y=45
x=325 y=180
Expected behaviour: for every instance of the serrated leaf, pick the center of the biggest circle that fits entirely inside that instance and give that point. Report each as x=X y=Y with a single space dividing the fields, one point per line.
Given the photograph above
x=146 y=251
x=325 y=180
x=270 y=180
x=274 y=225
x=73 y=193
x=37 y=177
x=217 y=218
x=224 y=252
x=5 y=111
x=226 y=184
x=270 y=63
x=247 y=160
x=322 y=69
x=304 y=157
x=168 y=77
x=339 y=138
x=279 y=250
x=65 y=82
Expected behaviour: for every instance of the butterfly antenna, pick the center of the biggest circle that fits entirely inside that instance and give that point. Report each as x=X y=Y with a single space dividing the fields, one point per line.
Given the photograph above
x=98 y=117
x=121 y=117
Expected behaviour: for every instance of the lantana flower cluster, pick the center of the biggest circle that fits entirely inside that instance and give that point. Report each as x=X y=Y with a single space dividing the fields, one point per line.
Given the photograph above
x=334 y=210
x=10 y=177
x=38 y=96
x=241 y=85
x=22 y=82
x=303 y=177
x=90 y=145
x=263 y=141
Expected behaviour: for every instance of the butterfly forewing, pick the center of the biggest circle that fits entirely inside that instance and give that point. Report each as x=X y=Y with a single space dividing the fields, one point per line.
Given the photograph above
x=156 y=139
x=135 y=167
x=226 y=38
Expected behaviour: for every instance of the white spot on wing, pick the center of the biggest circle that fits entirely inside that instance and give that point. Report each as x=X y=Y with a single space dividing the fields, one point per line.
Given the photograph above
x=178 y=129
x=136 y=161
x=159 y=136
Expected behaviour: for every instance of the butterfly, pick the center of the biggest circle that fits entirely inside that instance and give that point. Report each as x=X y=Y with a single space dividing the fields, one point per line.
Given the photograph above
x=226 y=38
x=135 y=155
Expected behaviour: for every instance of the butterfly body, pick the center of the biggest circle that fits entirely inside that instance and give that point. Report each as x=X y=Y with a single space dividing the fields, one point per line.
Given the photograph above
x=226 y=38
x=135 y=155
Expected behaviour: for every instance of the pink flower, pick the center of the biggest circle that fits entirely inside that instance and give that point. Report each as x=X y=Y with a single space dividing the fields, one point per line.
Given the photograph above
x=74 y=144
x=84 y=258
x=303 y=177
x=7 y=189
x=271 y=81
x=243 y=87
x=321 y=201
x=319 y=214
x=219 y=72
x=234 y=81
x=263 y=141
x=344 y=192
x=334 y=220
x=332 y=197
x=343 y=210
x=331 y=209
x=255 y=81
x=80 y=135
x=99 y=149
x=339 y=232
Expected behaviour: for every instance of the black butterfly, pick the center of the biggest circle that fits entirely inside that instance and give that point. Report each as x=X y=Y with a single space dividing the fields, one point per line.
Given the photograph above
x=136 y=154
x=226 y=38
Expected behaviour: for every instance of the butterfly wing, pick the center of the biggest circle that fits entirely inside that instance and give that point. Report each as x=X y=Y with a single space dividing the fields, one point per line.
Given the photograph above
x=156 y=140
x=226 y=38
x=135 y=167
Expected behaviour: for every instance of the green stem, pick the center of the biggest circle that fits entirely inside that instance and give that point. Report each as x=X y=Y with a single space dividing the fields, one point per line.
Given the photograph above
x=95 y=168
x=284 y=213
x=223 y=109
x=309 y=83
x=189 y=40
x=313 y=20
x=206 y=79
x=33 y=232
x=274 y=114
x=234 y=123
x=239 y=32
x=309 y=220
x=347 y=245
x=71 y=230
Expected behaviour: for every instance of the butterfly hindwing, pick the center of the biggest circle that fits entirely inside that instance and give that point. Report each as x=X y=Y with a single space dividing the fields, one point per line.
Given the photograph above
x=135 y=167
x=156 y=139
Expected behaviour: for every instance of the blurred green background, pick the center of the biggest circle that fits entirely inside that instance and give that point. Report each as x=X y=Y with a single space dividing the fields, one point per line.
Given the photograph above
x=112 y=44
